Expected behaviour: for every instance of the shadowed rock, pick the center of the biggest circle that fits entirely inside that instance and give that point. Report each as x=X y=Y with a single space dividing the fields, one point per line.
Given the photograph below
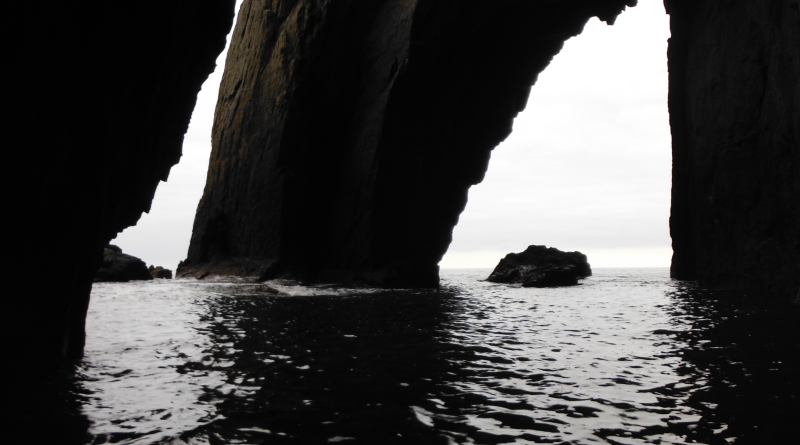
x=541 y=266
x=735 y=117
x=118 y=266
x=102 y=98
x=347 y=134
x=160 y=272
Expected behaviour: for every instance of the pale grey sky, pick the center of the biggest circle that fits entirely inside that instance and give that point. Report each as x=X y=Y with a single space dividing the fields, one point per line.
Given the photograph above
x=587 y=167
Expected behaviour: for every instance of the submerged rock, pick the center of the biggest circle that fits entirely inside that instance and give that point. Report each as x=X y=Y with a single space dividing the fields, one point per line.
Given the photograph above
x=541 y=266
x=118 y=266
x=160 y=272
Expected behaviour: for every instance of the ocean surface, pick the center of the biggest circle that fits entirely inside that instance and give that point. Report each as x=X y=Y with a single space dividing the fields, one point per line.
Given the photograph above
x=626 y=357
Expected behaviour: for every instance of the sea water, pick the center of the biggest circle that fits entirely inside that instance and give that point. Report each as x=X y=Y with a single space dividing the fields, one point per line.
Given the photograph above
x=628 y=356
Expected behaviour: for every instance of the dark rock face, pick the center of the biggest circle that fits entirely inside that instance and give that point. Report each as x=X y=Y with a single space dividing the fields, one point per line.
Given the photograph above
x=347 y=134
x=541 y=266
x=735 y=115
x=117 y=266
x=160 y=272
x=99 y=98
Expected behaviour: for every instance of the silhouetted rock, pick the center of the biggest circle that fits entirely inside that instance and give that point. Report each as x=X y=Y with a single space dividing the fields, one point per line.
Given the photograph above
x=347 y=134
x=541 y=266
x=160 y=272
x=734 y=105
x=102 y=98
x=118 y=266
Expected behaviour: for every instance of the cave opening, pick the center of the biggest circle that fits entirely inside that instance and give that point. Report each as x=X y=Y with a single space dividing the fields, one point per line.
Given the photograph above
x=587 y=166
x=733 y=93
x=162 y=235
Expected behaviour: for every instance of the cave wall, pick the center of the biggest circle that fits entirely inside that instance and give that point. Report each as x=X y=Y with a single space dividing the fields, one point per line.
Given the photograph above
x=734 y=101
x=98 y=96
x=347 y=133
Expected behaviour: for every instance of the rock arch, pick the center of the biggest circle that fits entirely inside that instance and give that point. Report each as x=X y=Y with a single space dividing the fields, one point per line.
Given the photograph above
x=346 y=137
x=348 y=132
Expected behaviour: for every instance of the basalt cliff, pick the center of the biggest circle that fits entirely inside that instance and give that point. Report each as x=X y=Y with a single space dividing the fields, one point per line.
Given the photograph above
x=346 y=136
x=348 y=132
x=734 y=104
x=98 y=96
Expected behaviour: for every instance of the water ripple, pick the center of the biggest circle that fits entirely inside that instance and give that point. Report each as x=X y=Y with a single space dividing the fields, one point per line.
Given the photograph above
x=628 y=357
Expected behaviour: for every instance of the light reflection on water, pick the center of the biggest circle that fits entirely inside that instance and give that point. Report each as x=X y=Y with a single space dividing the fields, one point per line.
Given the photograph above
x=627 y=357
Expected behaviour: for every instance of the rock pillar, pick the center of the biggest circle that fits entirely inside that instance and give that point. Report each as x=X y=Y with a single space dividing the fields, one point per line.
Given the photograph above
x=734 y=107
x=348 y=133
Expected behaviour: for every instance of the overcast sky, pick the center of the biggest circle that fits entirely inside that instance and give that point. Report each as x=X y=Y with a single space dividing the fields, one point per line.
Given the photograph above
x=587 y=167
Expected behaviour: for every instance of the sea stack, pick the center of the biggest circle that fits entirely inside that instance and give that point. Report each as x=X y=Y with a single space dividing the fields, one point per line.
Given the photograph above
x=118 y=266
x=160 y=272
x=541 y=266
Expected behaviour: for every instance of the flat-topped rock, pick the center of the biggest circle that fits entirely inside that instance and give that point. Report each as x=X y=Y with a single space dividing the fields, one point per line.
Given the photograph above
x=160 y=272
x=118 y=266
x=541 y=266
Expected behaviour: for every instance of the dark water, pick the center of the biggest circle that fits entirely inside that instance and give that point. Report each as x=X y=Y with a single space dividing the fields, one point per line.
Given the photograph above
x=628 y=357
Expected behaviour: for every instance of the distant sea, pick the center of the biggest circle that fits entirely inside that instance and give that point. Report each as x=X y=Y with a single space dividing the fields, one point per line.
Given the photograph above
x=626 y=357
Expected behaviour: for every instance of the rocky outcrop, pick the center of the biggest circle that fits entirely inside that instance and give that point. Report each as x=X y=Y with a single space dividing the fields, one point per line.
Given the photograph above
x=734 y=108
x=117 y=266
x=98 y=100
x=541 y=266
x=347 y=133
x=160 y=272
